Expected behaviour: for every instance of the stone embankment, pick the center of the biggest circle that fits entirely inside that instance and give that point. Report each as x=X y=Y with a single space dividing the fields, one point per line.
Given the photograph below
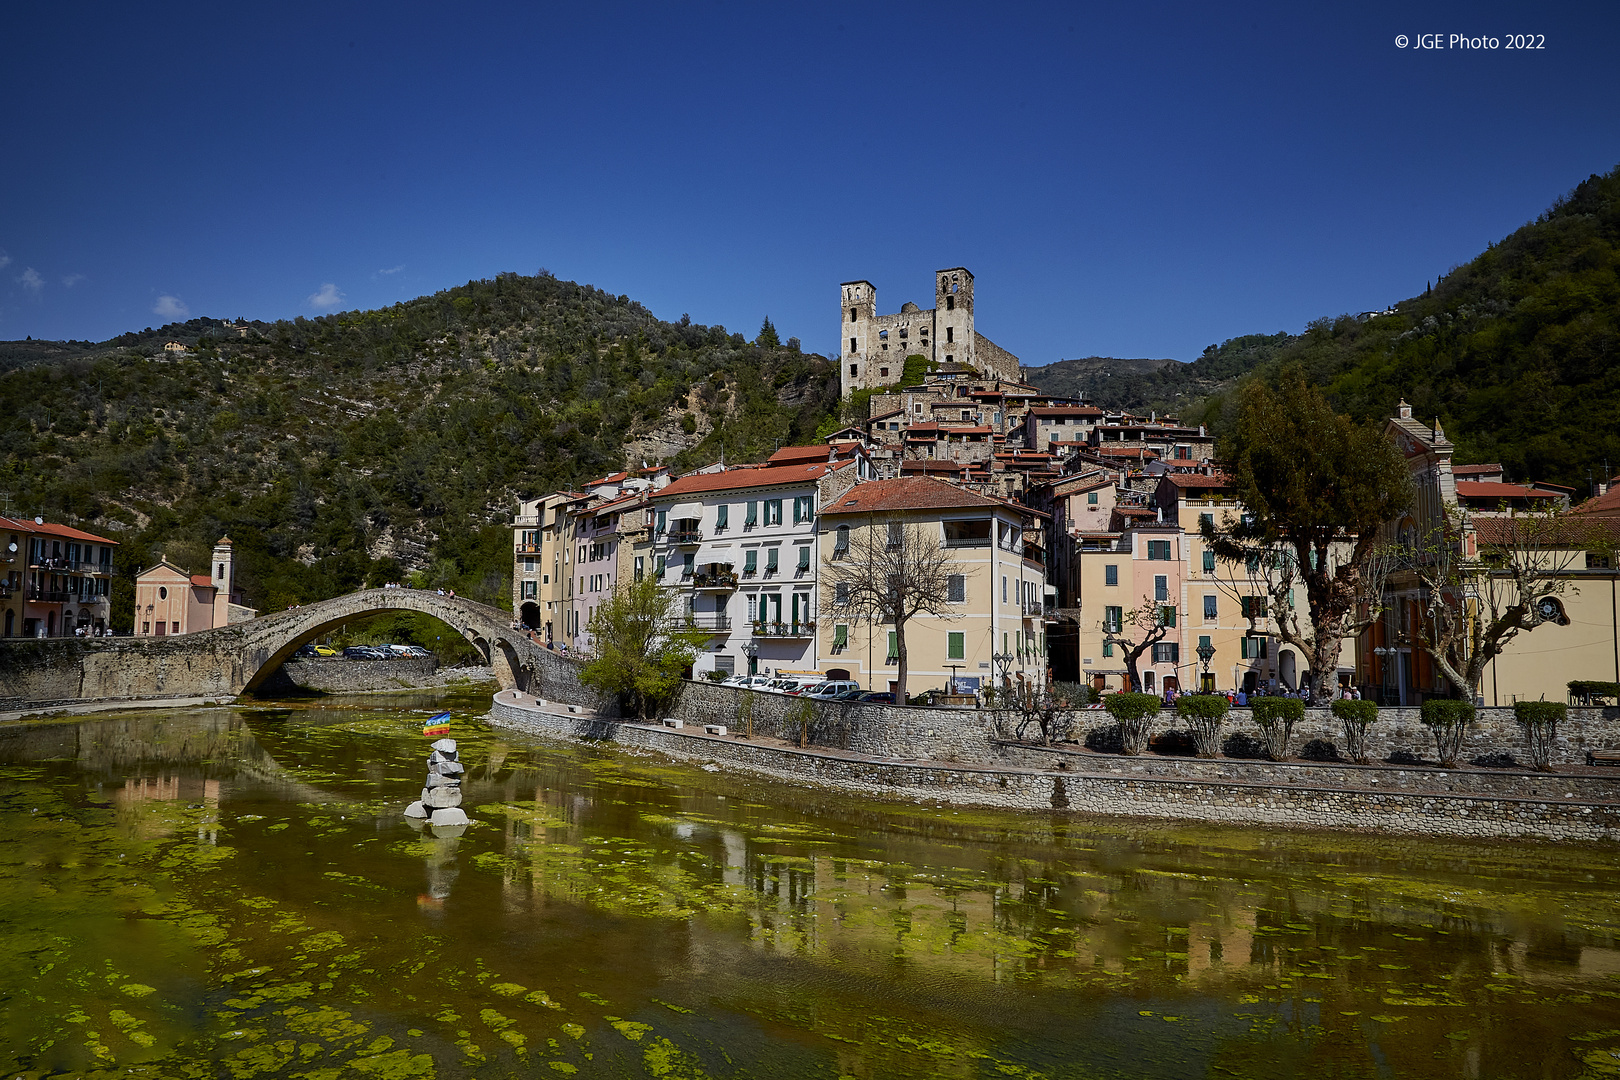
x=1388 y=798
x=331 y=675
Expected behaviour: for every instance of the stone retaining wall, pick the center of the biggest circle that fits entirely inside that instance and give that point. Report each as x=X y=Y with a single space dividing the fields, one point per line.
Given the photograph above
x=943 y=734
x=332 y=675
x=1126 y=791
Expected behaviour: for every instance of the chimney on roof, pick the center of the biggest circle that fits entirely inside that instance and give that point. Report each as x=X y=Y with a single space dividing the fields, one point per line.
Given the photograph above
x=1403 y=411
x=1437 y=434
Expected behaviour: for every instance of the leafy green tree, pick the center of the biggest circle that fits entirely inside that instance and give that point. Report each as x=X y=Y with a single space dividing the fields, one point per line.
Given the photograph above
x=767 y=336
x=1315 y=487
x=640 y=655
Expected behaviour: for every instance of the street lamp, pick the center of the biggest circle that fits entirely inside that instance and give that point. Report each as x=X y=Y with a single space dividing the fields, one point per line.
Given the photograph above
x=751 y=650
x=1206 y=653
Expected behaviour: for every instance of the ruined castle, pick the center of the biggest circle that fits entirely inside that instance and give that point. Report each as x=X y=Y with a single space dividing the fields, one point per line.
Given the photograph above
x=876 y=346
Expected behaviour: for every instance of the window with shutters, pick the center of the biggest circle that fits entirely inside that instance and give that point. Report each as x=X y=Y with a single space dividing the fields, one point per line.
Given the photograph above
x=1159 y=550
x=750 y=562
x=1111 y=574
x=663 y=521
x=751 y=515
x=804 y=559
x=840 y=637
x=1209 y=562
x=955 y=645
x=1167 y=616
x=773 y=511
x=956 y=589
x=1167 y=652
x=1254 y=607
x=1210 y=608
x=1161 y=587
x=722 y=517
x=841 y=592
x=841 y=542
x=1091 y=498
x=894 y=648
x=1108 y=649
x=1113 y=619
x=660 y=566
x=770 y=560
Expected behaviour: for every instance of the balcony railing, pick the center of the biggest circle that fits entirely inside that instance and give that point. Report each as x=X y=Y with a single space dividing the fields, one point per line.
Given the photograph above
x=798 y=629
x=48 y=596
x=708 y=622
x=718 y=580
x=528 y=549
x=685 y=536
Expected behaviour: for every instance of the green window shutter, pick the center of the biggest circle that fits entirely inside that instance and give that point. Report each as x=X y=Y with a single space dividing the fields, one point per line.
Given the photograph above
x=750 y=515
x=1175 y=652
x=955 y=645
x=770 y=558
x=1111 y=574
x=751 y=561
x=1243 y=649
x=1167 y=616
x=894 y=645
x=1108 y=648
x=663 y=520
x=840 y=636
x=1203 y=639
x=1209 y=562
x=1091 y=498
x=804 y=557
x=722 y=516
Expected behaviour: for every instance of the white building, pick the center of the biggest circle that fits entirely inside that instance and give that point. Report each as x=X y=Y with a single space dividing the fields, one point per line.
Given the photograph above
x=741 y=547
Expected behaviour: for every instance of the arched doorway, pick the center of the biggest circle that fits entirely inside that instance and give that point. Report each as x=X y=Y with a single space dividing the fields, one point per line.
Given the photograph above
x=530 y=614
x=1172 y=683
x=838 y=673
x=1287 y=669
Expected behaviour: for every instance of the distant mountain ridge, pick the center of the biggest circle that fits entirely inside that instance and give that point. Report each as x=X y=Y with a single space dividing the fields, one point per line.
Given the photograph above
x=1139 y=385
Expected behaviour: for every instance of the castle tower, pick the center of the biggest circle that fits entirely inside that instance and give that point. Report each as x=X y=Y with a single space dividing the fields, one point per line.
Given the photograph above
x=858 y=308
x=224 y=579
x=953 y=316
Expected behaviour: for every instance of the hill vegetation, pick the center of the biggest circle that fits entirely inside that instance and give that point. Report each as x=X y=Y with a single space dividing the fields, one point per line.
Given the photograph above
x=360 y=447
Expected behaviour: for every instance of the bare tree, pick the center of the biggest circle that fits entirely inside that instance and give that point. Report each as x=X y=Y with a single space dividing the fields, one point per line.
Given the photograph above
x=891 y=572
x=1050 y=709
x=1474 y=602
x=1138 y=630
x=1265 y=582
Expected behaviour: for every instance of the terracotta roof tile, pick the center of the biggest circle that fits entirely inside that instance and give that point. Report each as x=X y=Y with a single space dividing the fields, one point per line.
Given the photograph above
x=906 y=493
x=749 y=476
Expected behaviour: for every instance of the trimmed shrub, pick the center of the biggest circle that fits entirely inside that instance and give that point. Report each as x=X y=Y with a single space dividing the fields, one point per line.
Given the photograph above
x=1449 y=720
x=1357 y=717
x=1540 y=720
x=1134 y=713
x=1204 y=714
x=1276 y=717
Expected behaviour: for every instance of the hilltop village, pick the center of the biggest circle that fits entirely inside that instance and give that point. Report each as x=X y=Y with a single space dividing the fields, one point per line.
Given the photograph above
x=1072 y=542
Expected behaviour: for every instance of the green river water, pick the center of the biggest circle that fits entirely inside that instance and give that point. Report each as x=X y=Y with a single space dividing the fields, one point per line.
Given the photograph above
x=233 y=892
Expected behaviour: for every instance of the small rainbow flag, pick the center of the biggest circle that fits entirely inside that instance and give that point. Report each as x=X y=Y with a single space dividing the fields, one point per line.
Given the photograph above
x=438 y=724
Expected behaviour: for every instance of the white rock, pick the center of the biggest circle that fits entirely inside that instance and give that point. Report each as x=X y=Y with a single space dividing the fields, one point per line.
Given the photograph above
x=435 y=780
x=451 y=815
x=445 y=746
x=446 y=768
x=417 y=810
x=440 y=797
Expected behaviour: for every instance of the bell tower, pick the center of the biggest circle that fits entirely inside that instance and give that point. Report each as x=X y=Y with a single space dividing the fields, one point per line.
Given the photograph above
x=855 y=316
x=224 y=579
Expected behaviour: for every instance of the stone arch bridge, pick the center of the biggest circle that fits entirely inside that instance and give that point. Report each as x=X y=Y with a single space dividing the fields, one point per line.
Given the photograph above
x=236 y=659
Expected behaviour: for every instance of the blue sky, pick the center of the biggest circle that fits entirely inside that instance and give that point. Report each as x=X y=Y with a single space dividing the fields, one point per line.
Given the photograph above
x=1128 y=180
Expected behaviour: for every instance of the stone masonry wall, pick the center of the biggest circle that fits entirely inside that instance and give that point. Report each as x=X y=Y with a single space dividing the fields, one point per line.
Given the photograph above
x=330 y=675
x=1231 y=801
x=967 y=734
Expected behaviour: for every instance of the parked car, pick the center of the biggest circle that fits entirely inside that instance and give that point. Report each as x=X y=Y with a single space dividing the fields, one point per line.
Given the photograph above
x=783 y=686
x=325 y=650
x=832 y=688
x=305 y=652
x=756 y=682
x=877 y=697
x=416 y=650
x=364 y=652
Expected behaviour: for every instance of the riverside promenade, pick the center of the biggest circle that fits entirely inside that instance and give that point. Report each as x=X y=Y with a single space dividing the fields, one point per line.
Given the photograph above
x=1571 y=806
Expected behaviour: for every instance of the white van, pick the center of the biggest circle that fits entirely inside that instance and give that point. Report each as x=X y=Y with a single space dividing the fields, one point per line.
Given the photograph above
x=831 y=688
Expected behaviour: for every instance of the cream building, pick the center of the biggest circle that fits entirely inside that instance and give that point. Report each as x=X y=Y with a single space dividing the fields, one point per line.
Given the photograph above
x=997 y=589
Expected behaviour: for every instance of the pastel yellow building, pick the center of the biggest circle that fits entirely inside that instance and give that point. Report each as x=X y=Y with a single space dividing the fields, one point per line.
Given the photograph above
x=997 y=588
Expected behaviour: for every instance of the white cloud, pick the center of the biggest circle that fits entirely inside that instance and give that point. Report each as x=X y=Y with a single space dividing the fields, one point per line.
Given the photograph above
x=328 y=297
x=71 y=280
x=30 y=279
x=5 y=260
x=171 y=307
x=390 y=270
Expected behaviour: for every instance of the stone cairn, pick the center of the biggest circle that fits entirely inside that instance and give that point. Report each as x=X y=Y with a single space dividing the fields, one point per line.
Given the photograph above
x=441 y=798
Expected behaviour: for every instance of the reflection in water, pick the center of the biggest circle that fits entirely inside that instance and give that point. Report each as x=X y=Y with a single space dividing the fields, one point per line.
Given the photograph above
x=235 y=892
